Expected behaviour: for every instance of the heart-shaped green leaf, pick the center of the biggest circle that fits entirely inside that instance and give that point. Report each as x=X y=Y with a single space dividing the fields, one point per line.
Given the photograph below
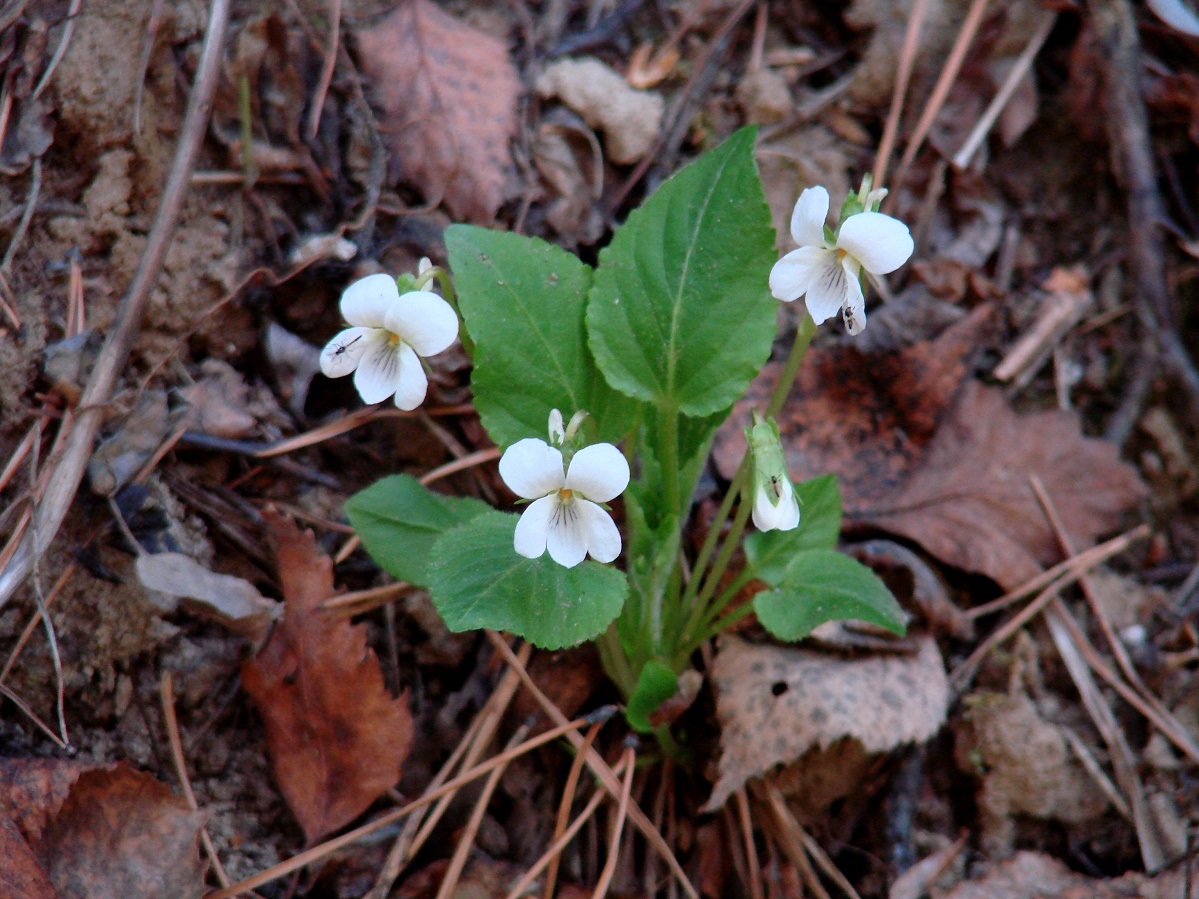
x=824 y=585
x=477 y=580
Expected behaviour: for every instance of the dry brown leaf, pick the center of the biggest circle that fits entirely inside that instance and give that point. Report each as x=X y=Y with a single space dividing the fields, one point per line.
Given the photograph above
x=970 y=502
x=1031 y=875
x=96 y=832
x=774 y=703
x=921 y=451
x=448 y=93
x=337 y=738
x=233 y=601
x=21 y=874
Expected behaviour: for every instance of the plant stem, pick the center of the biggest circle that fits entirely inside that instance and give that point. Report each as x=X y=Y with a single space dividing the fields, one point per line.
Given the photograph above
x=803 y=338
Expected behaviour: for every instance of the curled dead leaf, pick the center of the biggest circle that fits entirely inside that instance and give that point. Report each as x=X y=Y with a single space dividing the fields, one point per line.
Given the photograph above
x=337 y=738
x=775 y=703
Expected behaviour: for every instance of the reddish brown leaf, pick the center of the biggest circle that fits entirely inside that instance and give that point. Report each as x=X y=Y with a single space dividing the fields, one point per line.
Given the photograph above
x=21 y=874
x=970 y=502
x=33 y=790
x=122 y=834
x=337 y=738
x=566 y=676
x=921 y=451
x=448 y=93
x=95 y=831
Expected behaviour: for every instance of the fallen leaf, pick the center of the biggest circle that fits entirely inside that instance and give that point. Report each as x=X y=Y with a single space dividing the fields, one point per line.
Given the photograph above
x=122 y=455
x=219 y=401
x=232 y=600
x=21 y=875
x=922 y=451
x=970 y=503
x=448 y=93
x=1031 y=875
x=295 y=363
x=629 y=118
x=337 y=738
x=96 y=832
x=567 y=677
x=774 y=703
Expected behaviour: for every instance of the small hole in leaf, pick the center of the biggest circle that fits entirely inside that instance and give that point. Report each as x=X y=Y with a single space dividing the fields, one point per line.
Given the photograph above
x=778 y=688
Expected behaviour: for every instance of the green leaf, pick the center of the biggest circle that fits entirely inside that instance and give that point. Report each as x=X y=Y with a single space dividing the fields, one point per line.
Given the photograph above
x=825 y=585
x=477 y=580
x=680 y=314
x=656 y=684
x=769 y=552
x=398 y=518
x=524 y=302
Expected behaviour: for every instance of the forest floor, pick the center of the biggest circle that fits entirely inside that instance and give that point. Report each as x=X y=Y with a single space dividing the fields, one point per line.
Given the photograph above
x=1023 y=400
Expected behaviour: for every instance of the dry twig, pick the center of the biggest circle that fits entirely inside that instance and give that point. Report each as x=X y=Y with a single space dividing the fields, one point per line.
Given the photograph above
x=64 y=481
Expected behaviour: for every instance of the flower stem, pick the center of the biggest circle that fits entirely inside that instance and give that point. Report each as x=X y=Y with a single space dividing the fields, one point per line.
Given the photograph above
x=803 y=338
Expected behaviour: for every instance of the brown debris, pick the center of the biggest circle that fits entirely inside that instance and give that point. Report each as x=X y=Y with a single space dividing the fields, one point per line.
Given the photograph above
x=95 y=831
x=448 y=92
x=337 y=738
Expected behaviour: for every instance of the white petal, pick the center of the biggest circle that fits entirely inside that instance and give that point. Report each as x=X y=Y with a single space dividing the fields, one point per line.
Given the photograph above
x=413 y=384
x=764 y=513
x=828 y=289
x=881 y=243
x=788 y=515
x=599 y=472
x=341 y=354
x=532 y=468
x=424 y=320
x=791 y=275
x=567 y=537
x=603 y=539
x=854 y=312
x=808 y=217
x=366 y=302
x=378 y=373
x=534 y=527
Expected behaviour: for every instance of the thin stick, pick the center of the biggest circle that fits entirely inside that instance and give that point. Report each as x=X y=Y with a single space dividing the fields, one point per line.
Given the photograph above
x=788 y=831
x=368 y=599
x=35 y=620
x=167 y=691
x=413 y=836
x=596 y=763
x=481 y=457
x=318 y=852
x=816 y=851
x=944 y=82
x=19 y=455
x=551 y=855
x=568 y=798
x=61 y=50
x=35 y=188
x=64 y=481
x=20 y=703
x=322 y=87
x=1018 y=71
x=751 y=850
x=1072 y=568
x=453 y=873
x=605 y=881
x=907 y=60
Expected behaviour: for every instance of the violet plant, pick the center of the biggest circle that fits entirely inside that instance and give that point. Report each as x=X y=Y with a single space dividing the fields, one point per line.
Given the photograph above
x=644 y=356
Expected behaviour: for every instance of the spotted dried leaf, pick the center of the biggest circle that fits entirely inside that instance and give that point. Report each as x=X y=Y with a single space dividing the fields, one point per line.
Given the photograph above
x=775 y=703
x=448 y=93
x=337 y=738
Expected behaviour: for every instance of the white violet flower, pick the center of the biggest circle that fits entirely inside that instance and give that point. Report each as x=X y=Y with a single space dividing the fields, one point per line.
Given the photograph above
x=389 y=333
x=775 y=505
x=828 y=272
x=565 y=517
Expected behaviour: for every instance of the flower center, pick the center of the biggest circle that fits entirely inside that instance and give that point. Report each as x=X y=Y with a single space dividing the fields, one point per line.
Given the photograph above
x=566 y=494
